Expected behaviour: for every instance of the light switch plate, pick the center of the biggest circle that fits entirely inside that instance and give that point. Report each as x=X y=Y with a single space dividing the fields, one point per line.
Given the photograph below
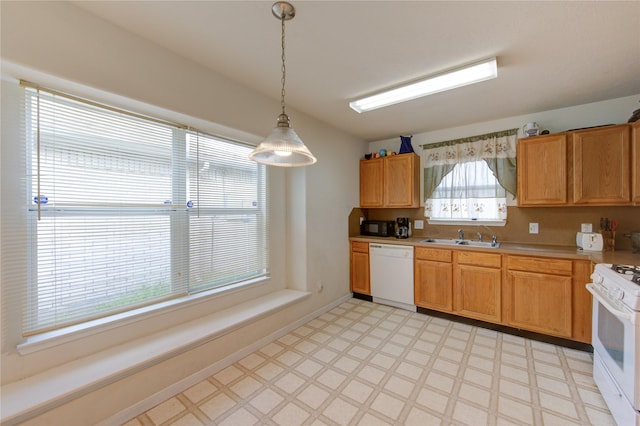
x=418 y=224
x=533 y=228
x=586 y=227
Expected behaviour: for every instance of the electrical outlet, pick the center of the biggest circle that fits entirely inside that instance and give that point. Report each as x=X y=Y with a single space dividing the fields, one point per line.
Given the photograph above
x=533 y=228
x=361 y=220
x=418 y=224
x=586 y=227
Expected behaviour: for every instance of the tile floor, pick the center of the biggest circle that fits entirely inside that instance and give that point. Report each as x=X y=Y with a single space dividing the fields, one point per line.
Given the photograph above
x=369 y=364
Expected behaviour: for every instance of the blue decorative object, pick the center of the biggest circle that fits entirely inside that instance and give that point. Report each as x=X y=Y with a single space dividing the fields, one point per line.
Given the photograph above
x=42 y=199
x=405 y=144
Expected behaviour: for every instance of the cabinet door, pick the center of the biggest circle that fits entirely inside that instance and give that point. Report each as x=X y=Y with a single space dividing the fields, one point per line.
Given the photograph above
x=477 y=292
x=635 y=162
x=371 y=182
x=601 y=166
x=433 y=285
x=542 y=170
x=360 y=268
x=539 y=302
x=401 y=180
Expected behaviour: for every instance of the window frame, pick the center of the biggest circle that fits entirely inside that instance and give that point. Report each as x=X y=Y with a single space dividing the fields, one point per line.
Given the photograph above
x=468 y=221
x=261 y=212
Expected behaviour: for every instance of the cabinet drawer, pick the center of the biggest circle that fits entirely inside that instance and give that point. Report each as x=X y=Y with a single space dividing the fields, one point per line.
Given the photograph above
x=544 y=265
x=360 y=246
x=437 y=255
x=491 y=260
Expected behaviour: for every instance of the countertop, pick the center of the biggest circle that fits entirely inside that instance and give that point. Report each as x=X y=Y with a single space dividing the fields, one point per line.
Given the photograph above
x=624 y=257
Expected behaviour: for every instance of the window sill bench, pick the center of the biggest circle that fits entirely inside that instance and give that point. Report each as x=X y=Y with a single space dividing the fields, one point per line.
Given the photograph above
x=37 y=394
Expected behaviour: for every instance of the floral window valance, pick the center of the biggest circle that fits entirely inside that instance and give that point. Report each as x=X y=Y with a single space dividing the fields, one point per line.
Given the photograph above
x=498 y=149
x=468 y=178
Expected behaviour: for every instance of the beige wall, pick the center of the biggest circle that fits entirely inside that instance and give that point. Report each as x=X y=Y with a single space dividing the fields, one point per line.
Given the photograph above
x=59 y=45
x=612 y=111
x=557 y=225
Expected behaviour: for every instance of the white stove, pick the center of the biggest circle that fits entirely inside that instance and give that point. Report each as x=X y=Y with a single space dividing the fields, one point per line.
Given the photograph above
x=621 y=283
x=616 y=339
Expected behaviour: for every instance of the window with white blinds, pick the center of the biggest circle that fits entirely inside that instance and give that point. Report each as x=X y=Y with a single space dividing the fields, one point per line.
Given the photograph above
x=127 y=211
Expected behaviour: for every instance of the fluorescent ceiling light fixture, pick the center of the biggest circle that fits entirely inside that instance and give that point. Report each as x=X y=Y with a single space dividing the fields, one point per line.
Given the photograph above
x=469 y=74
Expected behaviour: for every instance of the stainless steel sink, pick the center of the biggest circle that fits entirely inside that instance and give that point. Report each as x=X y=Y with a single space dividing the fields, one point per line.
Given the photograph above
x=439 y=241
x=468 y=243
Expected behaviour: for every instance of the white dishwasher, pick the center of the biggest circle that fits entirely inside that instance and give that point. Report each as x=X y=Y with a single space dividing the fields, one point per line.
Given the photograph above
x=391 y=275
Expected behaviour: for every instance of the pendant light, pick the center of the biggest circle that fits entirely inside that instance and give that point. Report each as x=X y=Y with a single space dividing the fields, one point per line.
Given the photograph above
x=283 y=147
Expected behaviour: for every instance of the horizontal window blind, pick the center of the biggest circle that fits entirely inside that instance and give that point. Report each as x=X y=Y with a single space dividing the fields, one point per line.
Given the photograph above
x=127 y=211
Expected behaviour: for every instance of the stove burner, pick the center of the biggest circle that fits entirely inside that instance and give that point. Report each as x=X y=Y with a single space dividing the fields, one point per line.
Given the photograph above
x=634 y=271
x=625 y=269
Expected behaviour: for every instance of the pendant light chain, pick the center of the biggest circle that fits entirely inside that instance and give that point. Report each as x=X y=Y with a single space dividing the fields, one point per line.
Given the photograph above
x=284 y=68
x=283 y=147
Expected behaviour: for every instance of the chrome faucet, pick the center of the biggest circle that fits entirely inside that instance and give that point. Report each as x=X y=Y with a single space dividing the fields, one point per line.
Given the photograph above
x=479 y=234
x=494 y=241
x=460 y=235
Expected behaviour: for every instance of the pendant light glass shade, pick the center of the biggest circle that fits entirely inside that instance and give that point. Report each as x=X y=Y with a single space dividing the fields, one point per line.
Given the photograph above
x=283 y=147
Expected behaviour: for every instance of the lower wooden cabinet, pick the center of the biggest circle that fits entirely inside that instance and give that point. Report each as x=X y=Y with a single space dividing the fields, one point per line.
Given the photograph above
x=548 y=295
x=433 y=278
x=540 y=294
x=582 y=303
x=359 y=264
x=538 y=302
x=477 y=285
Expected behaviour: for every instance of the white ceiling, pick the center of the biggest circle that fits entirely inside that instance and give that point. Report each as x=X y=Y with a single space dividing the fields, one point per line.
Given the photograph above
x=550 y=54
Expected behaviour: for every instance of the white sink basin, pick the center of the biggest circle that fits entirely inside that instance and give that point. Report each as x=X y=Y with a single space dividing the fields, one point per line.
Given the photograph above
x=468 y=243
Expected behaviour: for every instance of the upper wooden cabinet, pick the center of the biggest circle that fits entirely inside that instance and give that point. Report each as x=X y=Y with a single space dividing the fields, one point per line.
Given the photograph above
x=371 y=182
x=542 y=170
x=635 y=162
x=601 y=165
x=584 y=167
x=392 y=182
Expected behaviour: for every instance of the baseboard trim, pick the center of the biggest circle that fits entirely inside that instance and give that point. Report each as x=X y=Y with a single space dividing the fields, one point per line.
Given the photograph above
x=559 y=341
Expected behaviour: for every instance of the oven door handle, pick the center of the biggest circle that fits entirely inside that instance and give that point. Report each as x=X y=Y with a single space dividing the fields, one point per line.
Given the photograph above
x=615 y=311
